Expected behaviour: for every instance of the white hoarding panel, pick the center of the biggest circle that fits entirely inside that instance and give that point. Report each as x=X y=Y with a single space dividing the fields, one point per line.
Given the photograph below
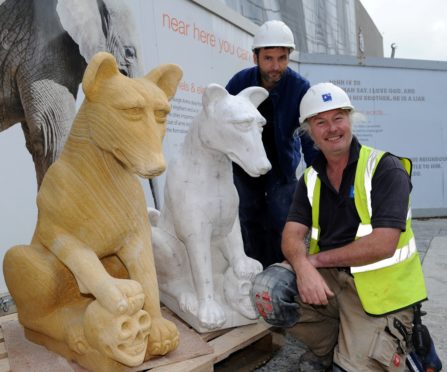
x=18 y=187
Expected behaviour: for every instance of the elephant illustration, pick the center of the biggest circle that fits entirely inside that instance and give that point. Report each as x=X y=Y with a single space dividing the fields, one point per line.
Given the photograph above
x=45 y=46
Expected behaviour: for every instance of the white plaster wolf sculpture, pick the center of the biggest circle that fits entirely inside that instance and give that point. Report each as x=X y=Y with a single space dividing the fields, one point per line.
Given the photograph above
x=203 y=272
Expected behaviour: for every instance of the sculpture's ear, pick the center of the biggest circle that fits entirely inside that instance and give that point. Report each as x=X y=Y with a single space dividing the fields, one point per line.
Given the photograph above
x=212 y=93
x=166 y=77
x=102 y=66
x=255 y=94
x=82 y=20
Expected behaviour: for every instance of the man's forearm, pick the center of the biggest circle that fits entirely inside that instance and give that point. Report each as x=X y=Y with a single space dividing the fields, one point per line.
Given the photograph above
x=293 y=245
x=378 y=245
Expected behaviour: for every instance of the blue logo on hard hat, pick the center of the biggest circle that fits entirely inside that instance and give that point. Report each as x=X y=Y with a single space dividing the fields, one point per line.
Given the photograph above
x=326 y=97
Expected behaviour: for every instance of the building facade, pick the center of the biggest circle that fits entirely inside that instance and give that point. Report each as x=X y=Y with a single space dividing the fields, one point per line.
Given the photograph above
x=337 y=27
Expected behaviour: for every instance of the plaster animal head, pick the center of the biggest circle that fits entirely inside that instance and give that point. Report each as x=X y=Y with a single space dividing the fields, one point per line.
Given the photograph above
x=102 y=25
x=120 y=337
x=130 y=120
x=234 y=127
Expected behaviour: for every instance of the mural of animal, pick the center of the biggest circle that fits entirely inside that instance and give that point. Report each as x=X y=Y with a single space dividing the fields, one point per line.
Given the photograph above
x=204 y=274
x=86 y=286
x=44 y=49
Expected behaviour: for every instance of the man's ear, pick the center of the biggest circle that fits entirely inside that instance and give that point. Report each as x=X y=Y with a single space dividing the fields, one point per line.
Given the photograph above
x=255 y=58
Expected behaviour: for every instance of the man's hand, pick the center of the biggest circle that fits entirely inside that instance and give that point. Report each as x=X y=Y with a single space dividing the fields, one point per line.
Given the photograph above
x=312 y=287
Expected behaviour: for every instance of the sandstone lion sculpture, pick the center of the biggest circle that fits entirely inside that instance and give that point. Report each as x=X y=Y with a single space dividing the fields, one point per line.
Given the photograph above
x=86 y=286
x=204 y=275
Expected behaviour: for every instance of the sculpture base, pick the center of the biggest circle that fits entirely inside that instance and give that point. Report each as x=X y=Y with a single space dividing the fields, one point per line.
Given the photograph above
x=233 y=318
x=24 y=355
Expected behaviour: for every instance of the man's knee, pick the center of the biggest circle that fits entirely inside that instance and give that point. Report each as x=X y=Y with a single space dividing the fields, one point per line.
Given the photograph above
x=275 y=295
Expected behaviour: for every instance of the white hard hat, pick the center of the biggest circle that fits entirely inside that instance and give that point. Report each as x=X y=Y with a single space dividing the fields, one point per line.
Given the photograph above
x=273 y=34
x=323 y=97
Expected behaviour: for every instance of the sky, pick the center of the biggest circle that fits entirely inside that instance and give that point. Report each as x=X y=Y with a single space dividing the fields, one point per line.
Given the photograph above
x=418 y=27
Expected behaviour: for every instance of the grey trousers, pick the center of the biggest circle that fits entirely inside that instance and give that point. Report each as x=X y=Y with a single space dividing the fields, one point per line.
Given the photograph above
x=358 y=341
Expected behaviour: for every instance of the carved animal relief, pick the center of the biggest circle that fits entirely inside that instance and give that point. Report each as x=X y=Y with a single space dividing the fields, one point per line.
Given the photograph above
x=204 y=274
x=86 y=286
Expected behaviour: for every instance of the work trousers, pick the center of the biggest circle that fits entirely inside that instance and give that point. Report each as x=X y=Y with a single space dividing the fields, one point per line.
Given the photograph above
x=358 y=341
x=263 y=207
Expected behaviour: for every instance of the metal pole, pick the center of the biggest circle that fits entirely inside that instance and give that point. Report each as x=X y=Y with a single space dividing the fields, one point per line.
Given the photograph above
x=393 y=49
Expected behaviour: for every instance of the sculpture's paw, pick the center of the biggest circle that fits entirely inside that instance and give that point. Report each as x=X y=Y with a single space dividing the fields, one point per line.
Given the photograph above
x=246 y=267
x=188 y=303
x=163 y=338
x=76 y=340
x=120 y=295
x=211 y=314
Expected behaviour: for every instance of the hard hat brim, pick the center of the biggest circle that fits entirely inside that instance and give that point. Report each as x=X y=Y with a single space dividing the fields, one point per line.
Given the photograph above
x=347 y=108
x=276 y=45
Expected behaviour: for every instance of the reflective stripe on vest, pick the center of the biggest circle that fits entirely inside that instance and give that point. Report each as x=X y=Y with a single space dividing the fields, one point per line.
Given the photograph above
x=366 y=229
x=313 y=194
x=400 y=255
x=312 y=176
x=371 y=164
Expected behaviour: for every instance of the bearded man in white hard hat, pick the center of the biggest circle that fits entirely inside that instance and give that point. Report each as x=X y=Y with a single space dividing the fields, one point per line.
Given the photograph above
x=264 y=201
x=349 y=294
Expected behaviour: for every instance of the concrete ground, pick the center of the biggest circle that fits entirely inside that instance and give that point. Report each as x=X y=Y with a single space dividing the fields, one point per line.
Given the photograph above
x=431 y=239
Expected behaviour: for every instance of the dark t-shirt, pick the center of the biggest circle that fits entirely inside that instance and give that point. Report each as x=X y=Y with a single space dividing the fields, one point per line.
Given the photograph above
x=338 y=215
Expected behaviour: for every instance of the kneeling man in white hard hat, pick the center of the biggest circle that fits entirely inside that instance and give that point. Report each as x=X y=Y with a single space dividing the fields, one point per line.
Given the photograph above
x=348 y=292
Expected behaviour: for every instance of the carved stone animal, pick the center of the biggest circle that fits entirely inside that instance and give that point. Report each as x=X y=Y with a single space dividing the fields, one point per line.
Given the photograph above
x=86 y=286
x=204 y=274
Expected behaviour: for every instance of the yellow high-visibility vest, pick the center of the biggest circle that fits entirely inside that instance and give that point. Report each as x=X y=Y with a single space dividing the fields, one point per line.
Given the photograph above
x=387 y=285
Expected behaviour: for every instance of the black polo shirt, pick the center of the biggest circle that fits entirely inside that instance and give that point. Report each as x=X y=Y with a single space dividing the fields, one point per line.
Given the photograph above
x=338 y=215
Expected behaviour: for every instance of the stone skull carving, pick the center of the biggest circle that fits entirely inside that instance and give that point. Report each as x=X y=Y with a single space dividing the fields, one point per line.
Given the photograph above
x=123 y=338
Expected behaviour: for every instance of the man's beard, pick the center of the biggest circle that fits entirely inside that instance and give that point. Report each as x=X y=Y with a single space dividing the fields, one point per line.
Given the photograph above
x=272 y=78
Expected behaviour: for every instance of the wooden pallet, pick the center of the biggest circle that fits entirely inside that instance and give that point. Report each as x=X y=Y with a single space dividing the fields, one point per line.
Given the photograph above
x=237 y=349
x=4 y=362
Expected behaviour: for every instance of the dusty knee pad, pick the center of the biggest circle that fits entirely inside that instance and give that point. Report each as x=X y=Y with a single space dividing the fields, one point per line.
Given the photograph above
x=274 y=294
